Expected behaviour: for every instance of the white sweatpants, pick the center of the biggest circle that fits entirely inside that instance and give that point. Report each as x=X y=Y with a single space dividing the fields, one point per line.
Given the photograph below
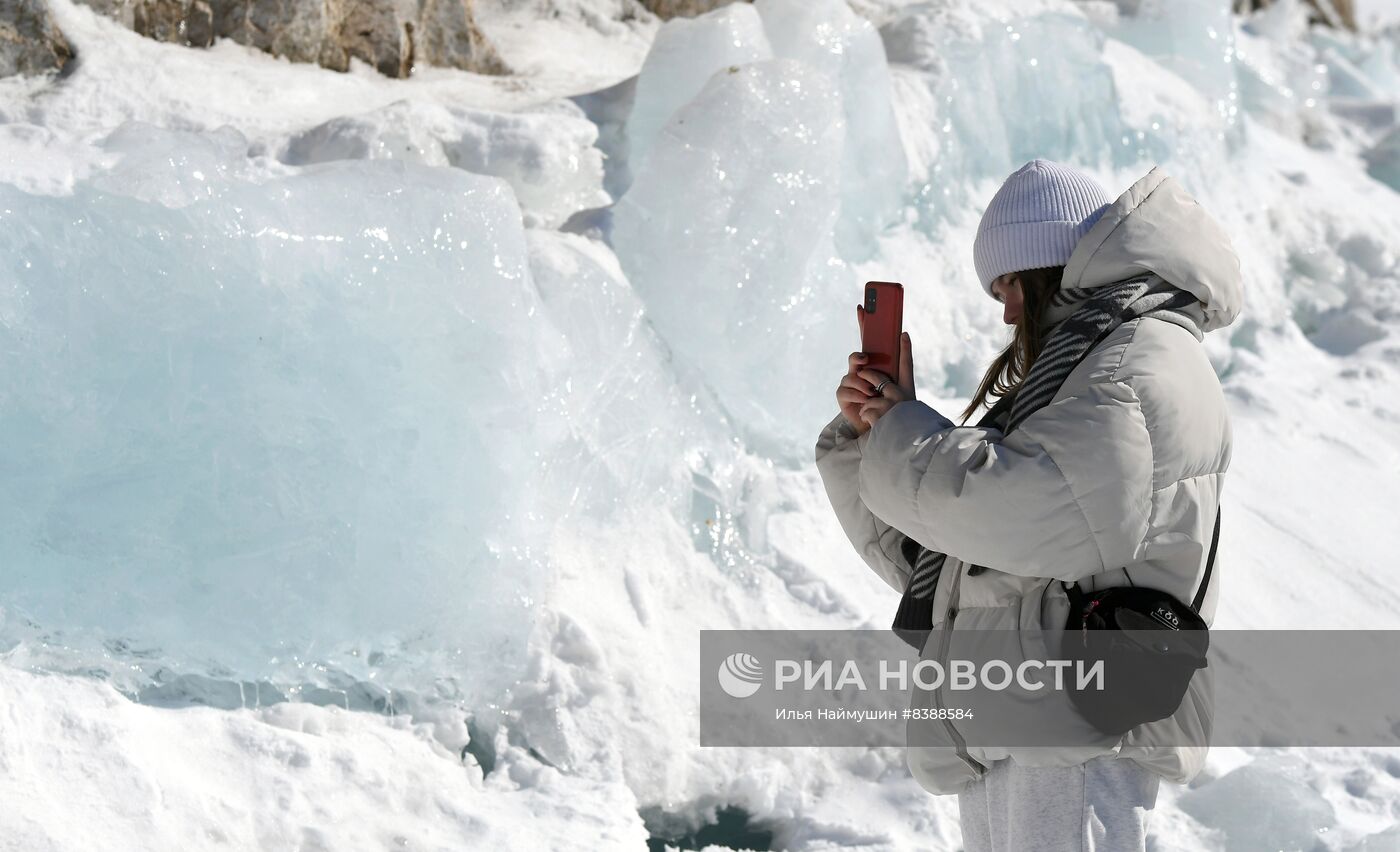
x=1099 y=806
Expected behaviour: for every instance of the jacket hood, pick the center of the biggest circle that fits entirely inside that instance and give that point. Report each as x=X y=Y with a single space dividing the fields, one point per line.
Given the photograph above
x=1156 y=226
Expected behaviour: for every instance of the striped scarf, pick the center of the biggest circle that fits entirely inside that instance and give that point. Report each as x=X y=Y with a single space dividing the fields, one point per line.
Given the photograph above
x=1084 y=316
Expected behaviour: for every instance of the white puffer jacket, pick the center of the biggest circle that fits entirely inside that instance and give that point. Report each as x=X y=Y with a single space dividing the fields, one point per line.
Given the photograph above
x=1123 y=468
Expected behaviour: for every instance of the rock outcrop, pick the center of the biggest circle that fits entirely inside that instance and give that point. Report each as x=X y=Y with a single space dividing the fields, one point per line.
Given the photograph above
x=390 y=35
x=1339 y=14
x=30 y=43
x=682 y=8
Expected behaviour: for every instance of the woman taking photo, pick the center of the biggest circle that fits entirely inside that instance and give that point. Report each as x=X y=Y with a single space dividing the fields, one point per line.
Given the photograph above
x=1102 y=461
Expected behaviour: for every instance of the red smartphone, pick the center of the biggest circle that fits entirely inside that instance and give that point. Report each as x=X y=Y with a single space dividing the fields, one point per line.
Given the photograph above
x=881 y=325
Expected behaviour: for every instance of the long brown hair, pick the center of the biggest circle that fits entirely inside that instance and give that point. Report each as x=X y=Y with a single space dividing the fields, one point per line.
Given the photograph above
x=1013 y=363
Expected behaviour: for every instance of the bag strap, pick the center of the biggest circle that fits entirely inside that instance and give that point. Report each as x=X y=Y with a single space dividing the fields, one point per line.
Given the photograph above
x=1210 y=563
x=1074 y=592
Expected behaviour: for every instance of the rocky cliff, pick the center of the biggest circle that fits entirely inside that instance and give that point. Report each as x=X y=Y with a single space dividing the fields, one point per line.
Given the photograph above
x=30 y=43
x=390 y=35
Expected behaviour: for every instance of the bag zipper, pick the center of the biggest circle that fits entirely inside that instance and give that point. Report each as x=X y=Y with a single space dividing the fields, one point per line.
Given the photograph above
x=959 y=743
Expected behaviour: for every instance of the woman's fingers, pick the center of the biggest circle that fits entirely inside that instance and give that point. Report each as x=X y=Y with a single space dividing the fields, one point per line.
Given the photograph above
x=857 y=383
x=855 y=361
x=893 y=390
x=872 y=376
x=875 y=407
x=847 y=395
x=872 y=412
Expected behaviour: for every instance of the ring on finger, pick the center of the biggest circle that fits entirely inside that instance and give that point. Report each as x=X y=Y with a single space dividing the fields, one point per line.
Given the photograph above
x=881 y=386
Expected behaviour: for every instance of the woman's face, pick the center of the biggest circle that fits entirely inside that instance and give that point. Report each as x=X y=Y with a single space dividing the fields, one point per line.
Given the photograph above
x=1007 y=289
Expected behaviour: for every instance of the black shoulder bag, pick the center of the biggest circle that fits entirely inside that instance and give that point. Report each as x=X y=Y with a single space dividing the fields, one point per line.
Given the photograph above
x=1150 y=645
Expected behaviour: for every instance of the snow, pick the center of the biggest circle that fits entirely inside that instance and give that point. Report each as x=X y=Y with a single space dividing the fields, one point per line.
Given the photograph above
x=1375 y=14
x=1265 y=805
x=1381 y=841
x=319 y=778
x=368 y=486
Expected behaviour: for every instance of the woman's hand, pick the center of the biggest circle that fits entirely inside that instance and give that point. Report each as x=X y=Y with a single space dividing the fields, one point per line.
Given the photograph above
x=854 y=392
x=860 y=405
x=899 y=389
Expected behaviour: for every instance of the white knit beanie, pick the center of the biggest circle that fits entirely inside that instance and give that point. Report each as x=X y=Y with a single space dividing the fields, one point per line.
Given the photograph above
x=1035 y=219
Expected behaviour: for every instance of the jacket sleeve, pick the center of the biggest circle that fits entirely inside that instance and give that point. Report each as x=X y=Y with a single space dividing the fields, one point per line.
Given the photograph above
x=1066 y=495
x=878 y=543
